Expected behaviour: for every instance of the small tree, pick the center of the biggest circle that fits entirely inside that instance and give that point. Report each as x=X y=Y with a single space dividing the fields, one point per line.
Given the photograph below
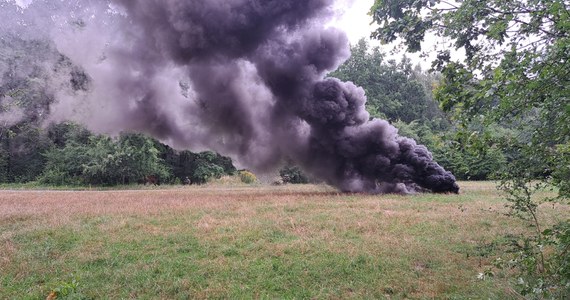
x=66 y=165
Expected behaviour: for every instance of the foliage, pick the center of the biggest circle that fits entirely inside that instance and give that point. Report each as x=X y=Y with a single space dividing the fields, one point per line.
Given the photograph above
x=293 y=174
x=71 y=155
x=104 y=161
x=515 y=73
x=4 y=163
x=31 y=70
x=541 y=258
x=67 y=290
x=403 y=95
x=128 y=160
x=469 y=155
x=62 y=133
x=247 y=177
x=198 y=167
x=204 y=167
x=394 y=91
x=22 y=152
x=65 y=166
x=226 y=164
x=560 y=176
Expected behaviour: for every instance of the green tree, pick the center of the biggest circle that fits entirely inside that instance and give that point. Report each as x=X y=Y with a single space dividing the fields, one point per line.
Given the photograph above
x=404 y=95
x=198 y=167
x=205 y=167
x=515 y=72
x=125 y=161
x=66 y=159
x=393 y=90
x=62 y=133
x=3 y=165
x=102 y=160
x=474 y=156
x=65 y=166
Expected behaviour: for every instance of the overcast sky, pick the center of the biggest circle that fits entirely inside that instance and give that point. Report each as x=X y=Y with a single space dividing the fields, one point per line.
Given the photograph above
x=355 y=21
x=353 y=18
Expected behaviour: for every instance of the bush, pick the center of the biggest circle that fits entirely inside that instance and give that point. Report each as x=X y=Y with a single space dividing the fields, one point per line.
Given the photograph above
x=247 y=177
x=103 y=161
x=58 y=178
x=293 y=174
x=205 y=172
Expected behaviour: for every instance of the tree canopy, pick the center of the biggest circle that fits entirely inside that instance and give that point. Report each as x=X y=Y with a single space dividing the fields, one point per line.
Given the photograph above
x=394 y=91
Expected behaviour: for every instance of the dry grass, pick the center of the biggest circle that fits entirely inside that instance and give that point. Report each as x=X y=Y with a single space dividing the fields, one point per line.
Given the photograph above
x=261 y=242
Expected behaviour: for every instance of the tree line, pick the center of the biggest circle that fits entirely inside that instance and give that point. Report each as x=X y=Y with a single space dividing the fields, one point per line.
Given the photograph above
x=66 y=153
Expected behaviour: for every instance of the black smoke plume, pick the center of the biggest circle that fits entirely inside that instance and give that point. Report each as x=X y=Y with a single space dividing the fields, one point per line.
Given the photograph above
x=246 y=78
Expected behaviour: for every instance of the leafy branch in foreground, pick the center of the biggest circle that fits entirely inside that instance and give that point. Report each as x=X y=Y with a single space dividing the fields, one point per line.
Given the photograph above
x=515 y=72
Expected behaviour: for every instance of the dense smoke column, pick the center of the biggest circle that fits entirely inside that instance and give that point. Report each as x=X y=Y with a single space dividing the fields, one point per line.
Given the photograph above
x=343 y=147
x=281 y=46
x=253 y=76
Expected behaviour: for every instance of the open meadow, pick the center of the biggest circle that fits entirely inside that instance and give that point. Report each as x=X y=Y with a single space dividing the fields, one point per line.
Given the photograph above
x=295 y=241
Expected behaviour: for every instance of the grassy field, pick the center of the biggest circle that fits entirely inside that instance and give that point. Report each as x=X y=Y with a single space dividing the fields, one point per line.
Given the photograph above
x=292 y=242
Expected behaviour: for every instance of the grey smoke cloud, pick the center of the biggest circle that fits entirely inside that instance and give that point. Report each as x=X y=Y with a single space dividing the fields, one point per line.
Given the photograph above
x=254 y=86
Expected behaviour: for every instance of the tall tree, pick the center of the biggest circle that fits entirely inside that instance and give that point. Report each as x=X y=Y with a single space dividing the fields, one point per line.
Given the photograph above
x=392 y=89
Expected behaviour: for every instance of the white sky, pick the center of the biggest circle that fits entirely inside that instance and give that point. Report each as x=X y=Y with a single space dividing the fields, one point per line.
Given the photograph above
x=354 y=19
